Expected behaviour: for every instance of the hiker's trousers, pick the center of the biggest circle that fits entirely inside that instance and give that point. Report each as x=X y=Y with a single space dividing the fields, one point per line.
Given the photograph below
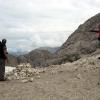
x=2 y=69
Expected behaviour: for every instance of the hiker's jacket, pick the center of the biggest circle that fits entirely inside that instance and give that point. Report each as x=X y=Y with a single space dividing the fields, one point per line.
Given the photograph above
x=3 y=51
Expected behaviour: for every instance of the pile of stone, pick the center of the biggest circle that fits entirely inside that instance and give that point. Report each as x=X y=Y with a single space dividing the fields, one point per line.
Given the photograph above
x=23 y=71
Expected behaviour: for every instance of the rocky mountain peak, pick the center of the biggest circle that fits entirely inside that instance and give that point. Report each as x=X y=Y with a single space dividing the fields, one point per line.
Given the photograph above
x=82 y=41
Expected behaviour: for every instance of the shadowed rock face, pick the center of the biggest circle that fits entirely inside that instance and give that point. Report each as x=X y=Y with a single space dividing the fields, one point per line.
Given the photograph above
x=82 y=42
x=50 y=49
x=36 y=57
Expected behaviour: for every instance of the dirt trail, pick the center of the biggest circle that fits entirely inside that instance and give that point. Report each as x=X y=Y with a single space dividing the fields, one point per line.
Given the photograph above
x=71 y=81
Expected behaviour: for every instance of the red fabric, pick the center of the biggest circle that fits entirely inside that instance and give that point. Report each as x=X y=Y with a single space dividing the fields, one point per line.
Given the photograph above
x=98 y=33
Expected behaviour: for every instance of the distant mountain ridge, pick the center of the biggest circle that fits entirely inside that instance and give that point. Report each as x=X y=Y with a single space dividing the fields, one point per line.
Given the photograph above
x=36 y=57
x=18 y=53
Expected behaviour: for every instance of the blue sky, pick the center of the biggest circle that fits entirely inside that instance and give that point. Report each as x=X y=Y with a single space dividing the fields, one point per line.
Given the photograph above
x=29 y=24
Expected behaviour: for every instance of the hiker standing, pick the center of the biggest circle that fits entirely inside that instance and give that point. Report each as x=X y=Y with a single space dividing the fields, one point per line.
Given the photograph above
x=3 y=59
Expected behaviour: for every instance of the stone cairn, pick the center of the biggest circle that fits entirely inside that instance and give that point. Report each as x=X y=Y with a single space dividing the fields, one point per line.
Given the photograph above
x=24 y=72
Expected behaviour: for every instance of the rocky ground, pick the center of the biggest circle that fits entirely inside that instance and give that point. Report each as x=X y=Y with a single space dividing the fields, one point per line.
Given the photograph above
x=9 y=69
x=79 y=80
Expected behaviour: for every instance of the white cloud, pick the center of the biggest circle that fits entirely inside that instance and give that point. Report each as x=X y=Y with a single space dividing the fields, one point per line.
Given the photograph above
x=33 y=23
